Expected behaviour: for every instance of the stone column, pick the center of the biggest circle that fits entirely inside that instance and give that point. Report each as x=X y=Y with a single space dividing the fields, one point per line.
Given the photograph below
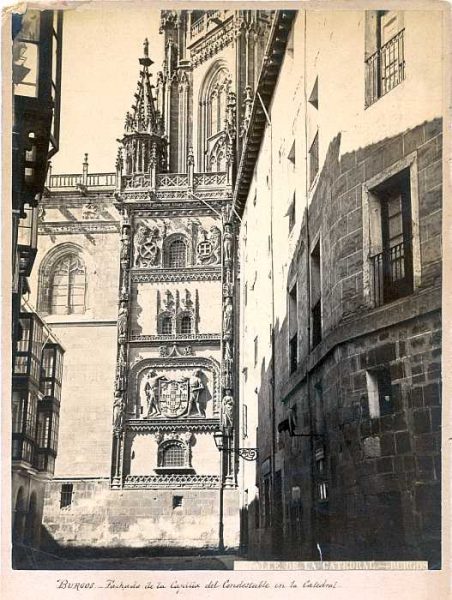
x=120 y=394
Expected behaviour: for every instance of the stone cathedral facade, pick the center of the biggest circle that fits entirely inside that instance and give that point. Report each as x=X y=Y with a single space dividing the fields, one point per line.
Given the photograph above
x=151 y=381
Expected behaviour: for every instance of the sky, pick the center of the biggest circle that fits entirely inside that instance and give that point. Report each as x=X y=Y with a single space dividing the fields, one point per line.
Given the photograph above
x=101 y=48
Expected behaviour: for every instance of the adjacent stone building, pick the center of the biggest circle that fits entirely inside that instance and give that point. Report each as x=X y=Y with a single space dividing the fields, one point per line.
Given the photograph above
x=339 y=191
x=37 y=355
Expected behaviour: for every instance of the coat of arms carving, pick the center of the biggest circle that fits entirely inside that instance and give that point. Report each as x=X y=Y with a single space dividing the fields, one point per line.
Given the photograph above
x=174 y=398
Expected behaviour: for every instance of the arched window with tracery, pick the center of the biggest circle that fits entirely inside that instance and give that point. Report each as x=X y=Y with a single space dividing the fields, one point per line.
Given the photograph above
x=212 y=112
x=63 y=282
x=67 y=286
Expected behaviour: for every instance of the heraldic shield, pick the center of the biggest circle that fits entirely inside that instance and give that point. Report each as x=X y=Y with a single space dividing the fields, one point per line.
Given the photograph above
x=174 y=398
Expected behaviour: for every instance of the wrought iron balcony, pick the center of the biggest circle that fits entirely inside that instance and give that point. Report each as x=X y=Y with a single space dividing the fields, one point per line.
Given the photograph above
x=392 y=273
x=385 y=69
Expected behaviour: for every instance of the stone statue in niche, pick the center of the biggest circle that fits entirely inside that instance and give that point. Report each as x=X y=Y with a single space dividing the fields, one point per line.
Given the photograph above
x=228 y=350
x=187 y=302
x=196 y=387
x=215 y=238
x=118 y=411
x=168 y=301
x=227 y=244
x=125 y=245
x=147 y=246
x=151 y=390
x=227 y=318
x=122 y=320
x=228 y=409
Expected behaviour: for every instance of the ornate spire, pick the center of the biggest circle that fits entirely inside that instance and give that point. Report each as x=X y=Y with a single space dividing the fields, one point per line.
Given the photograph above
x=143 y=117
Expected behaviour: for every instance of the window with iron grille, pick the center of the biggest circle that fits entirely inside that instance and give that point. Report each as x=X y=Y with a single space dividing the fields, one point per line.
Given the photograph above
x=177 y=254
x=392 y=266
x=173 y=455
x=185 y=325
x=322 y=488
x=66 y=494
x=68 y=286
x=166 y=326
x=384 y=53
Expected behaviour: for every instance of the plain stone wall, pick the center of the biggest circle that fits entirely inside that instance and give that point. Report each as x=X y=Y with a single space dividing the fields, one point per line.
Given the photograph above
x=100 y=517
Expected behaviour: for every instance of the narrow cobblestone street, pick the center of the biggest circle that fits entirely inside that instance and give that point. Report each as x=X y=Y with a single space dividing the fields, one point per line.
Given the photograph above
x=32 y=559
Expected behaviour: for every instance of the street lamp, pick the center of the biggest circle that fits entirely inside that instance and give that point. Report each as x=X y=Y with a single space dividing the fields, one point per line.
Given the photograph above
x=220 y=435
x=245 y=453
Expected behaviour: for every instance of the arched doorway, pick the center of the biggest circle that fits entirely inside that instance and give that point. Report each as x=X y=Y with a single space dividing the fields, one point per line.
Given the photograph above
x=31 y=522
x=19 y=517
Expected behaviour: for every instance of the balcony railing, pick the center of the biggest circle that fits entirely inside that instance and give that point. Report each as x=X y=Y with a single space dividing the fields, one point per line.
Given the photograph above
x=172 y=180
x=385 y=69
x=392 y=273
x=101 y=179
x=139 y=181
x=65 y=181
x=210 y=17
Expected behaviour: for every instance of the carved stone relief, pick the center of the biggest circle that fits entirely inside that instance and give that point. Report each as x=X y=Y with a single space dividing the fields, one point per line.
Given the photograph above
x=173 y=398
x=208 y=248
x=148 y=246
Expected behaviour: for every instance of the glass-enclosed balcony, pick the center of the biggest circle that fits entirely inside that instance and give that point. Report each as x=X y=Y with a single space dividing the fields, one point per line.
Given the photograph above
x=29 y=348
x=27 y=239
x=37 y=377
x=51 y=371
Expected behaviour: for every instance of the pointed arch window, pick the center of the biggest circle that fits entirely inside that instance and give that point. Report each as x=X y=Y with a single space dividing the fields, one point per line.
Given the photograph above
x=67 y=285
x=213 y=101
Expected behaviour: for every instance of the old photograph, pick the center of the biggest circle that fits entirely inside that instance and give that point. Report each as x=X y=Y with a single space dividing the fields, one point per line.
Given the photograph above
x=226 y=285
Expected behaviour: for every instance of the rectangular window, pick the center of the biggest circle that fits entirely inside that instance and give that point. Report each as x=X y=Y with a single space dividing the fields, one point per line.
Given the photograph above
x=245 y=421
x=291 y=155
x=177 y=501
x=267 y=502
x=67 y=490
x=323 y=491
x=379 y=391
x=314 y=159
x=384 y=53
x=316 y=295
x=292 y=213
x=256 y=350
x=391 y=253
x=293 y=329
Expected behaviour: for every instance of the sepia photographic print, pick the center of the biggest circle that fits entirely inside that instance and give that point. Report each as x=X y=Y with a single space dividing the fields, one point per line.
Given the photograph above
x=226 y=286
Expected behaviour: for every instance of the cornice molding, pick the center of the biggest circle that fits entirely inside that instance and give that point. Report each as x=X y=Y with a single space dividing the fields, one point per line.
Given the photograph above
x=82 y=227
x=192 y=425
x=176 y=338
x=194 y=274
